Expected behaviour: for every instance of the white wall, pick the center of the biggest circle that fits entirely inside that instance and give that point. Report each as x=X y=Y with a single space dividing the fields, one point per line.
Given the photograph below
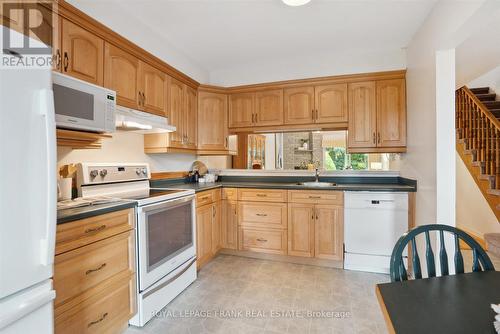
x=490 y=79
x=126 y=147
x=313 y=66
x=473 y=212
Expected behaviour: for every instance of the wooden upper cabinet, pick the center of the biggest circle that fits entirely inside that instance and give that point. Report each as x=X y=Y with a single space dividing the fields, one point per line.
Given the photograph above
x=241 y=110
x=191 y=118
x=121 y=74
x=269 y=107
x=176 y=112
x=212 y=121
x=362 y=126
x=329 y=232
x=330 y=103
x=153 y=88
x=299 y=105
x=391 y=113
x=82 y=53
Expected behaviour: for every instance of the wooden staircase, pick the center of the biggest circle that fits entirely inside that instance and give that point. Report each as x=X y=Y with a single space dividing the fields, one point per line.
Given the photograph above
x=478 y=140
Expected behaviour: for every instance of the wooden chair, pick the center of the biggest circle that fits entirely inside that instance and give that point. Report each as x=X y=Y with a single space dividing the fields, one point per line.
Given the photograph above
x=399 y=272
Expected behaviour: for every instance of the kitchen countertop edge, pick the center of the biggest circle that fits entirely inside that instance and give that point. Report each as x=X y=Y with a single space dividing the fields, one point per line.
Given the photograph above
x=72 y=214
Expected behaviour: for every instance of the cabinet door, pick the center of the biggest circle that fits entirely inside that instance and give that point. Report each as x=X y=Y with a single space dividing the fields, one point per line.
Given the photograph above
x=362 y=115
x=229 y=224
x=299 y=105
x=269 y=107
x=204 y=217
x=241 y=110
x=391 y=113
x=176 y=117
x=216 y=227
x=331 y=103
x=191 y=118
x=82 y=53
x=212 y=121
x=121 y=74
x=329 y=232
x=153 y=86
x=301 y=229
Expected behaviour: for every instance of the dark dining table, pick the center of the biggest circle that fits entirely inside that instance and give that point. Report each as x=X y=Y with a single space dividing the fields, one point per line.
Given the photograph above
x=447 y=304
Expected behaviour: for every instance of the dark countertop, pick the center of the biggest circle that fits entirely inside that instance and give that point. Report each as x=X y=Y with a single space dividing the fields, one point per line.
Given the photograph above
x=391 y=184
x=69 y=215
x=197 y=187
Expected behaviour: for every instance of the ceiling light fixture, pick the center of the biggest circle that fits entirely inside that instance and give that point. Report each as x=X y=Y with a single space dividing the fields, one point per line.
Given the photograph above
x=295 y=3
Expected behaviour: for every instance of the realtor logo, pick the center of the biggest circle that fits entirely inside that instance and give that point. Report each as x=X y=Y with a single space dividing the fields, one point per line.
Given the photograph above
x=27 y=27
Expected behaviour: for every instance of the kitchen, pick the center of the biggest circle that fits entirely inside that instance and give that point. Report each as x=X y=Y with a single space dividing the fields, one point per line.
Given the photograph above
x=177 y=197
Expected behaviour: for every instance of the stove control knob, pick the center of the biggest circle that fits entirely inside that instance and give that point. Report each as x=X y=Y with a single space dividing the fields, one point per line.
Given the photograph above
x=103 y=172
x=93 y=173
x=138 y=171
x=144 y=171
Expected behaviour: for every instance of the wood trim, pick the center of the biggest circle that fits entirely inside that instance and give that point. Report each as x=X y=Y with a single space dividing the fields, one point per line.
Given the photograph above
x=79 y=139
x=168 y=175
x=291 y=128
x=387 y=318
x=158 y=150
x=78 y=17
x=377 y=150
x=480 y=240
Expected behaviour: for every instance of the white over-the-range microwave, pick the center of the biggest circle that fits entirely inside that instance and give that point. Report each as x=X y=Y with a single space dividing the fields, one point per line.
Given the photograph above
x=80 y=105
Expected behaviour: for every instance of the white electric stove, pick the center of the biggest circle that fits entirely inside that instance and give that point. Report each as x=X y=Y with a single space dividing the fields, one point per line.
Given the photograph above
x=166 y=230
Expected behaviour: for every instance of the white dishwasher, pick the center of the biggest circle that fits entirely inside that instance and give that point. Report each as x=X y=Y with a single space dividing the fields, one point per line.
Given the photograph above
x=373 y=222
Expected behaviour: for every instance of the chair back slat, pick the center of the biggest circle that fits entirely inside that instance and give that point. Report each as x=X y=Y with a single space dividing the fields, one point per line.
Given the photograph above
x=475 y=261
x=481 y=260
x=459 y=259
x=417 y=271
x=429 y=256
x=443 y=256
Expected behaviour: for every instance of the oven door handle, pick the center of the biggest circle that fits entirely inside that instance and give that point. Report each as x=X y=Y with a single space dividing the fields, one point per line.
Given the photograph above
x=171 y=279
x=166 y=205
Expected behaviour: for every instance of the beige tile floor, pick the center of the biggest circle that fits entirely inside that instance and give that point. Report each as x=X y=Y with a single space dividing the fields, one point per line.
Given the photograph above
x=261 y=289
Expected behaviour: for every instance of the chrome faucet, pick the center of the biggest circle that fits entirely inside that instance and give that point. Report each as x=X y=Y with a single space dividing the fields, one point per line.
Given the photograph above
x=317 y=175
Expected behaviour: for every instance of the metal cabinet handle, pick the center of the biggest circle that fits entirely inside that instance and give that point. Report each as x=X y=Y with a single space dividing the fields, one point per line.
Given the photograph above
x=95 y=229
x=143 y=99
x=374 y=140
x=90 y=271
x=261 y=195
x=98 y=320
x=58 y=59
x=226 y=145
x=140 y=98
x=66 y=61
x=261 y=240
x=314 y=196
x=204 y=197
x=261 y=214
x=378 y=138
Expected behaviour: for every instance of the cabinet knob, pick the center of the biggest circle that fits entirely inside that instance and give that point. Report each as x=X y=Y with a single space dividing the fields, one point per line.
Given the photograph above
x=66 y=61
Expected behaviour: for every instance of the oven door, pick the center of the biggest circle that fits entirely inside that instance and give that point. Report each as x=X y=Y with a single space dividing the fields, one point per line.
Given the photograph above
x=166 y=238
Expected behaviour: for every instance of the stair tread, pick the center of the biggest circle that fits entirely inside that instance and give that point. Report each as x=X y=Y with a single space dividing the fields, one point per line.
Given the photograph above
x=494 y=192
x=480 y=90
x=486 y=177
x=486 y=97
x=492 y=104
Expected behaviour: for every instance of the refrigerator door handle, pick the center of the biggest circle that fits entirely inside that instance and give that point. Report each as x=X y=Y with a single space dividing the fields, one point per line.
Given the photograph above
x=15 y=312
x=47 y=245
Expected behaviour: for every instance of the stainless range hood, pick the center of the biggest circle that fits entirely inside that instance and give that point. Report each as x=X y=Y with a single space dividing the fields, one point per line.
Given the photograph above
x=138 y=121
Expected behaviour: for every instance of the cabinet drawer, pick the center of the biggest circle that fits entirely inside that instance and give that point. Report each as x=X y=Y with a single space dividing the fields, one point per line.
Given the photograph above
x=83 y=268
x=230 y=194
x=83 y=232
x=258 y=214
x=207 y=197
x=316 y=197
x=263 y=240
x=107 y=311
x=262 y=195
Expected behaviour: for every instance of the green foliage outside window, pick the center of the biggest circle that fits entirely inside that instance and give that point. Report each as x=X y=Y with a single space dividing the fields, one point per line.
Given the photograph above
x=336 y=158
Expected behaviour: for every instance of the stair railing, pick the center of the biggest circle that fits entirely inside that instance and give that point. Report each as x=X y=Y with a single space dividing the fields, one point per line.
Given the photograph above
x=481 y=131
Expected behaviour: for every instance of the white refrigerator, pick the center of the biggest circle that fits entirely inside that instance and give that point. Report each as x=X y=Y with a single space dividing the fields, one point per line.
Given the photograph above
x=28 y=197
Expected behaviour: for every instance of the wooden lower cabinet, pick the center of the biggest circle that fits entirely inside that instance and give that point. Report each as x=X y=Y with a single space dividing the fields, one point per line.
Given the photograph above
x=94 y=274
x=216 y=227
x=329 y=232
x=229 y=224
x=204 y=217
x=301 y=219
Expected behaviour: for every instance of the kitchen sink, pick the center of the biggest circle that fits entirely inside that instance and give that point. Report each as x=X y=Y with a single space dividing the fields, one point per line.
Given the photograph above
x=317 y=184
